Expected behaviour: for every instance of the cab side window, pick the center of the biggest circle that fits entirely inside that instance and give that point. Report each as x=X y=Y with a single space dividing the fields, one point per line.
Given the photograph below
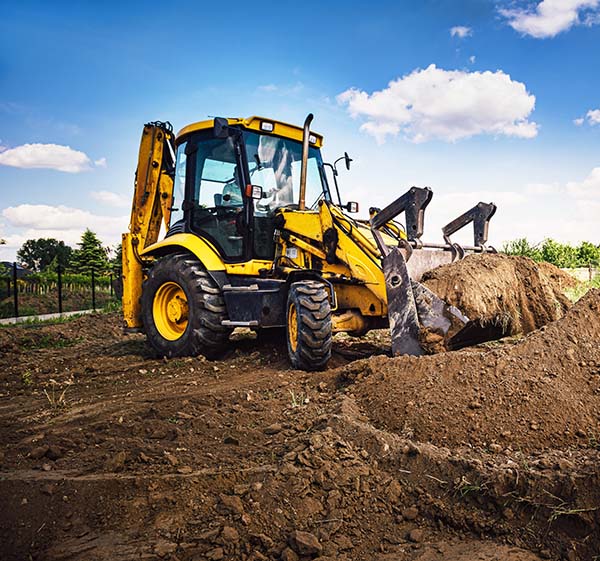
x=218 y=202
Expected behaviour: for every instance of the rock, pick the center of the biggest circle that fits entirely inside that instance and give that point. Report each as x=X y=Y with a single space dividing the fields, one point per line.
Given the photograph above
x=215 y=554
x=475 y=404
x=264 y=540
x=241 y=489
x=144 y=457
x=343 y=542
x=48 y=489
x=230 y=535
x=163 y=548
x=394 y=491
x=288 y=554
x=171 y=459
x=185 y=470
x=54 y=453
x=305 y=543
x=410 y=513
x=117 y=461
x=38 y=452
x=231 y=504
x=273 y=429
x=46 y=467
x=231 y=440
x=416 y=535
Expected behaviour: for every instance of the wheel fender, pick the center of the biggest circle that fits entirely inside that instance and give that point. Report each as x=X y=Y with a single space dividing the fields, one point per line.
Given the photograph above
x=201 y=249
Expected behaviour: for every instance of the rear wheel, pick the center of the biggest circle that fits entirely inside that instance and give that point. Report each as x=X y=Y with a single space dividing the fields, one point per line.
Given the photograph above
x=182 y=309
x=309 y=330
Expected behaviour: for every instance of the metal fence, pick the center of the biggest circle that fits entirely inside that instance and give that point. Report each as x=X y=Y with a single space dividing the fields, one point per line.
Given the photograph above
x=23 y=293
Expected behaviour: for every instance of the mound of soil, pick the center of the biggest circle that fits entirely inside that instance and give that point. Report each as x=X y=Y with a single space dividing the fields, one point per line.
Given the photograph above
x=540 y=392
x=515 y=292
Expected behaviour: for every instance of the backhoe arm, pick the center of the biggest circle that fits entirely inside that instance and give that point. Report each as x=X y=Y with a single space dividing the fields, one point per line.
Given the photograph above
x=152 y=201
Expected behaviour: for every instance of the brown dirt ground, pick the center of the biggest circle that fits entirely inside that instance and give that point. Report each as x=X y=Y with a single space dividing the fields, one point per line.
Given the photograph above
x=489 y=453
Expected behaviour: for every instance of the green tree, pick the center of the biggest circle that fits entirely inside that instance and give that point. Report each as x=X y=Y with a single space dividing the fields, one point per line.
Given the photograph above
x=90 y=255
x=116 y=261
x=43 y=254
x=522 y=247
x=561 y=255
x=588 y=254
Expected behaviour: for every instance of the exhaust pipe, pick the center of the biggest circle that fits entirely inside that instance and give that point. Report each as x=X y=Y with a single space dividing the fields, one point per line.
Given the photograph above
x=305 y=135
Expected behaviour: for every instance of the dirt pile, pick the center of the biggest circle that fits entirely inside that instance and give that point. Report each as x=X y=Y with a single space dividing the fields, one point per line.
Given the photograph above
x=515 y=292
x=107 y=453
x=540 y=392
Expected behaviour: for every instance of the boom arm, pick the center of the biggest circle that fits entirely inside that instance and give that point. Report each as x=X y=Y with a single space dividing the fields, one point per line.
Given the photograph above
x=152 y=201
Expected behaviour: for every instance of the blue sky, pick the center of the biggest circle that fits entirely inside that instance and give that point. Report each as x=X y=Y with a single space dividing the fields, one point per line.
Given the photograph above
x=509 y=111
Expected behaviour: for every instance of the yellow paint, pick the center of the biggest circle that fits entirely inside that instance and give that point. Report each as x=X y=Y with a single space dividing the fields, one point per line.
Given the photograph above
x=170 y=311
x=349 y=321
x=152 y=199
x=202 y=249
x=292 y=330
x=253 y=123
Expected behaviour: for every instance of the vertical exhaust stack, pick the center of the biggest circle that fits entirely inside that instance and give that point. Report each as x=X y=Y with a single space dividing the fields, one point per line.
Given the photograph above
x=303 y=169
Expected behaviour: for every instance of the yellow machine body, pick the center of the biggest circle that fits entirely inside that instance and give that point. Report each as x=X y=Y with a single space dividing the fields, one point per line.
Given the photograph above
x=319 y=253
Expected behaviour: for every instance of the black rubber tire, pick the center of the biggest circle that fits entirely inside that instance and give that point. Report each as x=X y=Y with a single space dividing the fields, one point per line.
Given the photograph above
x=313 y=325
x=204 y=333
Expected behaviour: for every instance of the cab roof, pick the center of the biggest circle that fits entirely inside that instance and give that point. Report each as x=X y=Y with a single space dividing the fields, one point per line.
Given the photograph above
x=259 y=124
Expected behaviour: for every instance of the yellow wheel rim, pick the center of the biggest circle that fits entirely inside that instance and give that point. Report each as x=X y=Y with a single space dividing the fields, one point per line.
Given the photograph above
x=170 y=311
x=292 y=321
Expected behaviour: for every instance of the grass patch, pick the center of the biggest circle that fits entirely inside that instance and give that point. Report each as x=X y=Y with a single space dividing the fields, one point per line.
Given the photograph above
x=581 y=290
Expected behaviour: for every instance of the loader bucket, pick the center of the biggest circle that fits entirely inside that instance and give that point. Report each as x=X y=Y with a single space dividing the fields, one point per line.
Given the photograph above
x=417 y=315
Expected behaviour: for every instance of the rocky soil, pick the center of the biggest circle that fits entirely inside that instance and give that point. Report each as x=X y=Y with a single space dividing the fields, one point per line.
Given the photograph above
x=488 y=453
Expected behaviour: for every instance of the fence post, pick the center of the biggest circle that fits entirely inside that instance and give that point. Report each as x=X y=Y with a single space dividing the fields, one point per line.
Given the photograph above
x=15 y=289
x=59 y=271
x=93 y=290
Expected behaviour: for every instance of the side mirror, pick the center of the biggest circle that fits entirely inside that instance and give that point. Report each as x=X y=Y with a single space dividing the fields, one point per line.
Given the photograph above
x=347 y=159
x=221 y=127
x=254 y=192
x=351 y=207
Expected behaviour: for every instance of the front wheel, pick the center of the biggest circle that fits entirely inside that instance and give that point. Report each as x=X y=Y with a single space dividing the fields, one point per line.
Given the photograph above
x=182 y=309
x=309 y=330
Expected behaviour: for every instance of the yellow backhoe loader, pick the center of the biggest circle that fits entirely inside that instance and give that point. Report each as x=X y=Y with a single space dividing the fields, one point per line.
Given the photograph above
x=255 y=237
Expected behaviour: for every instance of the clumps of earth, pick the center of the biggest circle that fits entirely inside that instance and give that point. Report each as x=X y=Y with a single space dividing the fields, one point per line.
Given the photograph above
x=490 y=452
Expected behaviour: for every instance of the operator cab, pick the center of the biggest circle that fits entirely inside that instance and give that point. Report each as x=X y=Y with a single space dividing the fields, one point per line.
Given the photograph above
x=220 y=165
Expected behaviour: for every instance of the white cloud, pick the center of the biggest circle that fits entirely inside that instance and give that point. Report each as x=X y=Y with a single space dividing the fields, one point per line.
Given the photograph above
x=461 y=31
x=472 y=59
x=100 y=163
x=551 y=17
x=593 y=116
x=110 y=198
x=542 y=188
x=46 y=156
x=587 y=189
x=24 y=222
x=267 y=88
x=60 y=218
x=444 y=104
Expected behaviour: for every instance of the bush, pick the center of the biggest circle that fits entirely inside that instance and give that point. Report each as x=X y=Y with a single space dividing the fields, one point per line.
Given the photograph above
x=586 y=254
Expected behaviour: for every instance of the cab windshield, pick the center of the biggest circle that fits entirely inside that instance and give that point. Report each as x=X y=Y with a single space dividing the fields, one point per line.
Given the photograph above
x=274 y=163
